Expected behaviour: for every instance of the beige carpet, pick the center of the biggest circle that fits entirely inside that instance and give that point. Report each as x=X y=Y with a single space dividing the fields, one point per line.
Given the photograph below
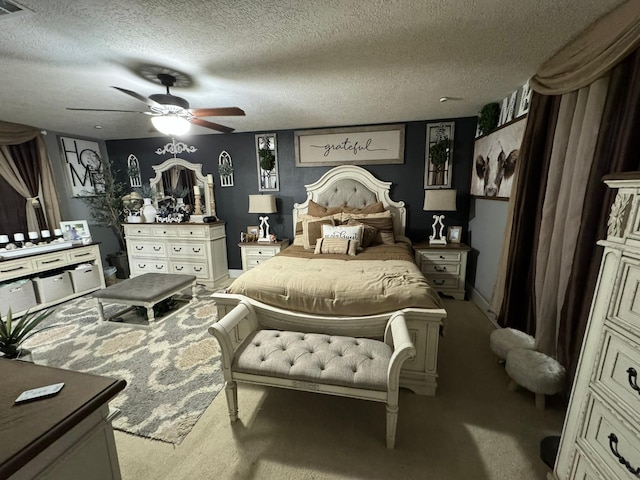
x=473 y=429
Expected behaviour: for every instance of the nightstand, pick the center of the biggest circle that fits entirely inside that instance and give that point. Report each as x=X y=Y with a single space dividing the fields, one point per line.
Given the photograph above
x=254 y=253
x=445 y=266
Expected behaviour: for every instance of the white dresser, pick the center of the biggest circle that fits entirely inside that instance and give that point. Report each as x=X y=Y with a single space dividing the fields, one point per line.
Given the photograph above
x=445 y=266
x=601 y=434
x=198 y=249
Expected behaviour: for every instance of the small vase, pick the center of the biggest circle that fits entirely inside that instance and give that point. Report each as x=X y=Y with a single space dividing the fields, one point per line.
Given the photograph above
x=148 y=211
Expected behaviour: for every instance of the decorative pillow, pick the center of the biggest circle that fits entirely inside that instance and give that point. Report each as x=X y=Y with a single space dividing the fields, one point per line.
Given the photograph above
x=382 y=221
x=369 y=233
x=336 y=245
x=348 y=232
x=312 y=230
x=318 y=210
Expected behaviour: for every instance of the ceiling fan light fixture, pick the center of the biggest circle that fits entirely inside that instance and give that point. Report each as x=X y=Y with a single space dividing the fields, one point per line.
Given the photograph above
x=171 y=124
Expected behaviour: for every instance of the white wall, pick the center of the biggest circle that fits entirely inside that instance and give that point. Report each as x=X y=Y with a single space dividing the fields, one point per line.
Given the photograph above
x=487 y=223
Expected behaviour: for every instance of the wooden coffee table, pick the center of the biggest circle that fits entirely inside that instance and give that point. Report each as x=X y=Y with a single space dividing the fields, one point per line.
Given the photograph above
x=145 y=291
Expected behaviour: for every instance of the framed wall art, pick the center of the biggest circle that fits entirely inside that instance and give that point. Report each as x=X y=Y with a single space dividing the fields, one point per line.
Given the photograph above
x=495 y=158
x=454 y=234
x=380 y=144
x=76 y=231
x=267 y=162
x=439 y=155
x=82 y=164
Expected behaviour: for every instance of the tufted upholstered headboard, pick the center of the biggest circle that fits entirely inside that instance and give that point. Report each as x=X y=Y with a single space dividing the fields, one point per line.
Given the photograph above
x=355 y=187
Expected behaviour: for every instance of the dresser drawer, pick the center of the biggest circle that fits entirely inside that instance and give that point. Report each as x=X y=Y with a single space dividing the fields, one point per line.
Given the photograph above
x=200 y=270
x=83 y=254
x=619 y=368
x=43 y=262
x=611 y=439
x=190 y=249
x=165 y=231
x=147 y=249
x=193 y=232
x=628 y=303
x=143 y=265
x=440 y=256
x=139 y=231
x=430 y=269
x=583 y=470
x=15 y=268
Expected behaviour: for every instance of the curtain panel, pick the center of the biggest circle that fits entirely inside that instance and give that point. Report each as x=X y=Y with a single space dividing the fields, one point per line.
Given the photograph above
x=593 y=53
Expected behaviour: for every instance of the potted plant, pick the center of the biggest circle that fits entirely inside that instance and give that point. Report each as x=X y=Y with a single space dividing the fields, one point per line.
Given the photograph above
x=14 y=332
x=107 y=209
x=439 y=155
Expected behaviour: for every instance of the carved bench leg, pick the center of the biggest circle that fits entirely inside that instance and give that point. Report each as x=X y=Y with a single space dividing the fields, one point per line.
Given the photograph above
x=392 y=422
x=231 y=391
x=100 y=310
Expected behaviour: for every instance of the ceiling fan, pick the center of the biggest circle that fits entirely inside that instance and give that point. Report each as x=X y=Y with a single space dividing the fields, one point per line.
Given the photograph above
x=171 y=114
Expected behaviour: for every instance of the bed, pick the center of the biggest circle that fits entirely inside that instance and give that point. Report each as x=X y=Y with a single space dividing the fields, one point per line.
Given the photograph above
x=345 y=293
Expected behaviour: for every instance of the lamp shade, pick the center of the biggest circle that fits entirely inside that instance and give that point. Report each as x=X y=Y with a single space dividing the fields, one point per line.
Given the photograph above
x=439 y=200
x=171 y=124
x=262 y=204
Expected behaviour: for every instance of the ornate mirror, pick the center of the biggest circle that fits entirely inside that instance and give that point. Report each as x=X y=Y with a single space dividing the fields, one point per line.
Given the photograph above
x=179 y=178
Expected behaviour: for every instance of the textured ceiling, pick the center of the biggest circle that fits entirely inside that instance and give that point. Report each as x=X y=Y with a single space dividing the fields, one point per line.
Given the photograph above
x=287 y=63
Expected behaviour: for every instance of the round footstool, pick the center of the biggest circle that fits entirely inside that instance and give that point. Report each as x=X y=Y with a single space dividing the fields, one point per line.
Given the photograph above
x=535 y=371
x=502 y=340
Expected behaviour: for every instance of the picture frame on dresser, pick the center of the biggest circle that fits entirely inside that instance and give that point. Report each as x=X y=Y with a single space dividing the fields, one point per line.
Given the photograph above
x=454 y=234
x=76 y=231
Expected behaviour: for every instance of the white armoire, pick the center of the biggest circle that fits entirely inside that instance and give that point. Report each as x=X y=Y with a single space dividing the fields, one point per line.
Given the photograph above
x=601 y=434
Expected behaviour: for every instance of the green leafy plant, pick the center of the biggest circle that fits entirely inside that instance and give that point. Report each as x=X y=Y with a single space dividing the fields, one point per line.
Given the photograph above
x=439 y=151
x=225 y=169
x=489 y=116
x=14 y=332
x=178 y=192
x=267 y=159
x=146 y=191
x=105 y=206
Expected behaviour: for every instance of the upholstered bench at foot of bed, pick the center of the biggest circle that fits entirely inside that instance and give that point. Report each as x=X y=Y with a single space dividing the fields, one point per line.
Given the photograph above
x=336 y=365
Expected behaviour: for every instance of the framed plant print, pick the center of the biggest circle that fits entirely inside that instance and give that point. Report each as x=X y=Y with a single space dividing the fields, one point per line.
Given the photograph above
x=267 y=161
x=439 y=155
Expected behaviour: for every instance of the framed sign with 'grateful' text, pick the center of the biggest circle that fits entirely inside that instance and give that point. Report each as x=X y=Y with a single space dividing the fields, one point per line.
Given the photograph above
x=379 y=144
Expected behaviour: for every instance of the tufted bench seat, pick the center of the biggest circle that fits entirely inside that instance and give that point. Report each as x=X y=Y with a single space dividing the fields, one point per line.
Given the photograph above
x=336 y=365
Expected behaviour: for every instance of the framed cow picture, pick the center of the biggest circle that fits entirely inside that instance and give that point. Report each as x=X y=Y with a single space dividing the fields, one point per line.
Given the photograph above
x=495 y=158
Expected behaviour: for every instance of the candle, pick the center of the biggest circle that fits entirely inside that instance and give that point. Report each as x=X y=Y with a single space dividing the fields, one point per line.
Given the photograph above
x=57 y=232
x=4 y=238
x=45 y=234
x=18 y=237
x=210 y=179
x=196 y=189
x=33 y=235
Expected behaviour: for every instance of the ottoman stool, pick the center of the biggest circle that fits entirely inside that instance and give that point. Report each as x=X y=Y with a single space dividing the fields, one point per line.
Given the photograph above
x=535 y=371
x=502 y=340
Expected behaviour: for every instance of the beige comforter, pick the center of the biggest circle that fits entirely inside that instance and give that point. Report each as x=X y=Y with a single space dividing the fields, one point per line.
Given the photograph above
x=380 y=279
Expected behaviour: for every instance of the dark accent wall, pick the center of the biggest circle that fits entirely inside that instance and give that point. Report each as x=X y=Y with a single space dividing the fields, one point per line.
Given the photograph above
x=232 y=203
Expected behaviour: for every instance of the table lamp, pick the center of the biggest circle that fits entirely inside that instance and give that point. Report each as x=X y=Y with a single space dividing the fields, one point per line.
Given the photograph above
x=262 y=204
x=439 y=200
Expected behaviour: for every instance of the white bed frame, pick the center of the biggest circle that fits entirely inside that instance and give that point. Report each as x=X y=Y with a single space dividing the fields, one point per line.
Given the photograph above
x=355 y=186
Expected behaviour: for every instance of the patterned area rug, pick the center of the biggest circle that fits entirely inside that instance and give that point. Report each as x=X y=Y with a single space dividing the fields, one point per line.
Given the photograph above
x=172 y=367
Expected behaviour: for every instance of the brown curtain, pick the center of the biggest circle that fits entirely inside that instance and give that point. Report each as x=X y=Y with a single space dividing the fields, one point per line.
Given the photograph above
x=616 y=151
x=517 y=309
x=25 y=156
x=13 y=217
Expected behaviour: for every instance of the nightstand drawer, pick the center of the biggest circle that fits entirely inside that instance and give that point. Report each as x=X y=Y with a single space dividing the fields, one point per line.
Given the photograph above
x=443 y=282
x=266 y=251
x=440 y=269
x=254 y=261
x=440 y=256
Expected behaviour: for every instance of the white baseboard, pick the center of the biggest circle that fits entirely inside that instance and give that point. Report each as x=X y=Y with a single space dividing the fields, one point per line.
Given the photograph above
x=482 y=304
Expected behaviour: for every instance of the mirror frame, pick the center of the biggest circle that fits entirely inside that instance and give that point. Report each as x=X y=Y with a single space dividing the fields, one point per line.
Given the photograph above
x=196 y=168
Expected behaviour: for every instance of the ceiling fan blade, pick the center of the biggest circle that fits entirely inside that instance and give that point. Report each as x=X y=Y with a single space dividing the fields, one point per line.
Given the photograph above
x=211 y=125
x=107 y=110
x=216 y=112
x=137 y=96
